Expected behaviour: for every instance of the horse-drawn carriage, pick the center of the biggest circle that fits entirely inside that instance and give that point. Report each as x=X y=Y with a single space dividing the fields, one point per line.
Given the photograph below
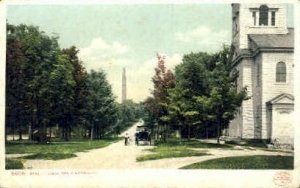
x=142 y=136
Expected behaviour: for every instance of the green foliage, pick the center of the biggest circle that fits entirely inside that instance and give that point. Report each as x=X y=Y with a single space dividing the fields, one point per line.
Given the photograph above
x=13 y=164
x=48 y=88
x=102 y=109
x=204 y=97
x=155 y=106
x=246 y=162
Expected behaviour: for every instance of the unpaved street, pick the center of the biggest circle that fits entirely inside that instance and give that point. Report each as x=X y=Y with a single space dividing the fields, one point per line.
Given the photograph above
x=118 y=156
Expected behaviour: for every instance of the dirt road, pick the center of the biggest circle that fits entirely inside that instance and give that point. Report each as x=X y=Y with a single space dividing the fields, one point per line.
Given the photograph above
x=119 y=156
x=115 y=156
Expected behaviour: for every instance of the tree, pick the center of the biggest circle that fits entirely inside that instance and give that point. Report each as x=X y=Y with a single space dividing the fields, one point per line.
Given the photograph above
x=204 y=96
x=47 y=82
x=61 y=96
x=163 y=80
x=48 y=87
x=224 y=99
x=128 y=112
x=191 y=79
x=16 y=116
x=102 y=109
x=80 y=90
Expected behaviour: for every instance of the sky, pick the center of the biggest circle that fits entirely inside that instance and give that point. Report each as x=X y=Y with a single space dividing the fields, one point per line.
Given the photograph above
x=114 y=36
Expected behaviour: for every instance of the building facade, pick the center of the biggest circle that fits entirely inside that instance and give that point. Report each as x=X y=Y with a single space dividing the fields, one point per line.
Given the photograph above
x=263 y=55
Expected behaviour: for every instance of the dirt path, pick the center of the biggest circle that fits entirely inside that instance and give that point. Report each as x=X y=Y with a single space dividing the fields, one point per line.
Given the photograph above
x=118 y=156
x=115 y=156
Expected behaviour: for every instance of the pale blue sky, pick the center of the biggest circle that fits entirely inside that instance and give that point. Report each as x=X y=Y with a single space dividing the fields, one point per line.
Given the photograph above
x=115 y=36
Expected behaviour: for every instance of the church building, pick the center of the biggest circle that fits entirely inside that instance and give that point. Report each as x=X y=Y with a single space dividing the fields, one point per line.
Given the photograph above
x=263 y=56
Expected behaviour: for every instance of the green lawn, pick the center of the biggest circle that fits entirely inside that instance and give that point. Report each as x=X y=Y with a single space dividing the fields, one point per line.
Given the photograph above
x=246 y=162
x=170 y=152
x=175 y=147
x=192 y=143
x=57 y=150
x=13 y=164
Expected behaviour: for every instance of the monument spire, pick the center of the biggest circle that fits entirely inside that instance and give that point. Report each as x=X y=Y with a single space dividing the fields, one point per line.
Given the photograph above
x=124 y=97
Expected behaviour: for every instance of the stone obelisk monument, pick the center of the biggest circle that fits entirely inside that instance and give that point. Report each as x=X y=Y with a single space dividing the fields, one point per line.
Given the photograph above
x=124 y=97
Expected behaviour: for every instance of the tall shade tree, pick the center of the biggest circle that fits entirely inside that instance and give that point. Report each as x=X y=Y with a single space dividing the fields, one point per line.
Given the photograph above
x=47 y=77
x=61 y=96
x=191 y=79
x=80 y=90
x=102 y=109
x=163 y=80
x=49 y=88
x=224 y=98
x=16 y=117
x=205 y=96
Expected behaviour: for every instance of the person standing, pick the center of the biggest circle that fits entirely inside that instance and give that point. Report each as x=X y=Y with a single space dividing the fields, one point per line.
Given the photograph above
x=126 y=139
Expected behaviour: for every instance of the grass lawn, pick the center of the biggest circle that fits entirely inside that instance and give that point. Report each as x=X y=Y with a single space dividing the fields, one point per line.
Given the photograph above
x=170 y=152
x=57 y=150
x=246 y=162
x=175 y=147
x=13 y=164
x=192 y=143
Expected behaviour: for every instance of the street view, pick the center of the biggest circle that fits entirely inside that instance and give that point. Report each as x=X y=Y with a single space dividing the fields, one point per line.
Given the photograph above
x=149 y=86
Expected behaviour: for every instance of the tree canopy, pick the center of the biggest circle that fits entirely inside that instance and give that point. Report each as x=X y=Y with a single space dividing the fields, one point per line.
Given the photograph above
x=49 y=92
x=203 y=97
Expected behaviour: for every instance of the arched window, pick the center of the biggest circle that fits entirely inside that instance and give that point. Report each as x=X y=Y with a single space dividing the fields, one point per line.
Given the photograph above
x=281 y=72
x=263 y=15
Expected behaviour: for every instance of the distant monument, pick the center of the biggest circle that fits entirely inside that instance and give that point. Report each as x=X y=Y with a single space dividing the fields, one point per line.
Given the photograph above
x=124 y=97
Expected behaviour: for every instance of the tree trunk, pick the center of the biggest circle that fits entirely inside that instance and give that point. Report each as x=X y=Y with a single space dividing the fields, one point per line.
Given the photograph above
x=20 y=134
x=5 y=134
x=67 y=132
x=19 y=125
x=218 y=130
x=29 y=132
x=189 y=131
x=180 y=134
x=70 y=131
x=50 y=132
x=44 y=132
x=13 y=130
x=92 y=132
x=165 y=132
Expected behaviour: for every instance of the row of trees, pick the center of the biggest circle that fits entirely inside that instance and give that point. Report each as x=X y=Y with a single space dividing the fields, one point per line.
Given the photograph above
x=48 y=91
x=199 y=100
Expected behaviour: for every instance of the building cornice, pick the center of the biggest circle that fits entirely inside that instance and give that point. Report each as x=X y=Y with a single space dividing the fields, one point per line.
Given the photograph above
x=259 y=50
